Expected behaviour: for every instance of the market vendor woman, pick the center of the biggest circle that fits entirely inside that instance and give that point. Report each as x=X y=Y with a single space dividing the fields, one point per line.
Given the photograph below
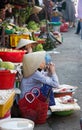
x=29 y=45
x=34 y=15
x=35 y=76
x=25 y=44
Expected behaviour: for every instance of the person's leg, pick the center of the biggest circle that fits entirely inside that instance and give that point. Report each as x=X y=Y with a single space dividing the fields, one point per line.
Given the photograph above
x=78 y=28
x=81 y=28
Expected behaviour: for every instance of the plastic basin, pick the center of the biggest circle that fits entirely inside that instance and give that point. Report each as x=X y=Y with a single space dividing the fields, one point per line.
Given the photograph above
x=17 y=124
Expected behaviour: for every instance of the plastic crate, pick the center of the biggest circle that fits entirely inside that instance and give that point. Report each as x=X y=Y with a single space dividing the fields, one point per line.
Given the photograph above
x=7 y=104
x=7 y=115
x=7 y=79
x=25 y=36
x=14 y=39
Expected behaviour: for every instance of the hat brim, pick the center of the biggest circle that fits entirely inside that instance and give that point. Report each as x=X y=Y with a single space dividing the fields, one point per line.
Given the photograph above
x=24 y=42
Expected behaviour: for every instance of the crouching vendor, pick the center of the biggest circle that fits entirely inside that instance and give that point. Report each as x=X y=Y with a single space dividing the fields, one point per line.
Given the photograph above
x=36 y=73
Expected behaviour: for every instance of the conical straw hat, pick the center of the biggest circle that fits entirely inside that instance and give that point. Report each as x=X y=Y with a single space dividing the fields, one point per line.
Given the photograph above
x=32 y=61
x=36 y=9
x=24 y=42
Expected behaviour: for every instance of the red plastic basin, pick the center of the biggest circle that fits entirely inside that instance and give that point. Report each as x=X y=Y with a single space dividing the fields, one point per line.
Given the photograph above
x=7 y=79
x=12 y=56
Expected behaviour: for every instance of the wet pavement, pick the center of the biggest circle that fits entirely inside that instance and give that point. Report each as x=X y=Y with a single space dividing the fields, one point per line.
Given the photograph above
x=69 y=69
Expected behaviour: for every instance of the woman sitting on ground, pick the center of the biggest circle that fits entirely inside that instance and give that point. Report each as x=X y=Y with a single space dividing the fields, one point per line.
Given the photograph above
x=36 y=73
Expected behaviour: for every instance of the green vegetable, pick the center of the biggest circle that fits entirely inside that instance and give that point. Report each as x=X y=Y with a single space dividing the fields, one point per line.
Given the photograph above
x=39 y=47
x=33 y=25
x=7 y=65
x=49 y=45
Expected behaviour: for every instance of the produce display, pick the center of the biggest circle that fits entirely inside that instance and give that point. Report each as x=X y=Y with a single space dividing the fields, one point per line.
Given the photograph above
x=7 y=65
x=33 y=26
x=18 y=29
x=11 y=55
x=67 y=99
x=39 y=47
x=12 y=28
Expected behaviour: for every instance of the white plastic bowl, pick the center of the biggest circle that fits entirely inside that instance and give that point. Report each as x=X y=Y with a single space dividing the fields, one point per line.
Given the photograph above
x=17 y=124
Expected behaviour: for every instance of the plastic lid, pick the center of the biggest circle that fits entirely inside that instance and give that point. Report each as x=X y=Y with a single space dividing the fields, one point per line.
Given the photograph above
x=55 y=23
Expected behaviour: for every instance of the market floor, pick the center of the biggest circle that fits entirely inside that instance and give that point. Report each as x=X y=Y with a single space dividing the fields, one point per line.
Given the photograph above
x=68 y=63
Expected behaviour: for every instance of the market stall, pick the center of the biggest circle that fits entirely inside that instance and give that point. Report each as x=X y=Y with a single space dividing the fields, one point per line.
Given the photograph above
x=64 y=109
x=15 y=33
x=66 y=104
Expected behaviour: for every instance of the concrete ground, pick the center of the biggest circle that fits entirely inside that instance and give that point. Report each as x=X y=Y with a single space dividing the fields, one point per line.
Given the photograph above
x=69 y=69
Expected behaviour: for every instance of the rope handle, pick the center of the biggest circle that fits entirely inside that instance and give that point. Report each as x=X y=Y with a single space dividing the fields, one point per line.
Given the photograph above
x=36 y=91
x=30 y=97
